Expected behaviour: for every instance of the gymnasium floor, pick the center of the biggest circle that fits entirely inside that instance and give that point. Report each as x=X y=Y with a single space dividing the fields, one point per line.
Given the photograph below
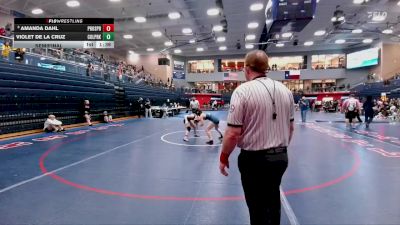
x=141 y=172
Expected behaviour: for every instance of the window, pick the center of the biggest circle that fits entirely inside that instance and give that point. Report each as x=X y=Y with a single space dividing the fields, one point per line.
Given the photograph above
x=294 y=85
x=287 y=63
x=323 y=85
x=201 y=66
x=332 y=61
x=232 y=65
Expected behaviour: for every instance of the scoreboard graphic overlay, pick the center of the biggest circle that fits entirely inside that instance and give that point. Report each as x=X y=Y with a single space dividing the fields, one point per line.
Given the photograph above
x=63 y=33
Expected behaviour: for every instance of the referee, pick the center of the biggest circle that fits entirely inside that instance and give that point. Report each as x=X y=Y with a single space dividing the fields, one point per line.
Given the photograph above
x=260 y=122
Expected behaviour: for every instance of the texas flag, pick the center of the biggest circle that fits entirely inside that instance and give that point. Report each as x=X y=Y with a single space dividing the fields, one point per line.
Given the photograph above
x=292 y=74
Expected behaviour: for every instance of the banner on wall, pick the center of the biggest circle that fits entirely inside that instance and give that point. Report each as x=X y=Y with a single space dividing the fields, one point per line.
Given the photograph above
x=179 y=70
x=52 y=66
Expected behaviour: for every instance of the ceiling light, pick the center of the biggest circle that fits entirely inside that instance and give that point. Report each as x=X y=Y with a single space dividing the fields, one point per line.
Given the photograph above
x=168 y=43
x=341 y=18
x=379 y=17
x=340 y=41
x=398 y=3
x=177 y=51
x=358 y=1
x=186 y=30
x=333 y=19
x=140 y=19
x=217 y=28
x=213 y=11
x=387 y=31
x=222 y=48
x=308 y=43
x=280 y=45
x=191 y=41
x=73 y=4
x=367 y=41
x=37 y=11
x=156 y=33
x=174 y=15
x=131 y=52
x=256 y=6
x=221 y=39
x=357 y=31
x=252 y=25
x=114 y=0
x=249 y=46
x=150 y=49
x=200 y=49
x=319 y=32
x=128 y=36
x=287 y=35
x=250 y=37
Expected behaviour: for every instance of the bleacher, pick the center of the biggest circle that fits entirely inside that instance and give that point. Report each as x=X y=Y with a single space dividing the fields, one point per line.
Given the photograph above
x=376 y=88
x=29 y=94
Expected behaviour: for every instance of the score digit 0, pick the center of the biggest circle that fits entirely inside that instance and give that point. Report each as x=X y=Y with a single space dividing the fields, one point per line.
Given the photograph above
x=108 y=27
x=108 y=36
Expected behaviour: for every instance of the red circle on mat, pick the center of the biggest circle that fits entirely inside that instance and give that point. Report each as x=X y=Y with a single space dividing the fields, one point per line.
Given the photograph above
x=349 y=173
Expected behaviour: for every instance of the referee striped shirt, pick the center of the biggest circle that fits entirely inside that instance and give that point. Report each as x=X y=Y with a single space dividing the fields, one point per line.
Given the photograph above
x=252 y=109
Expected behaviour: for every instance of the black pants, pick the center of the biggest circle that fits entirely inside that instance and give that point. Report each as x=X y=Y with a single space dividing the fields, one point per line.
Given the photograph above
x=261 y=176
x=358 y=117
x=369 y=117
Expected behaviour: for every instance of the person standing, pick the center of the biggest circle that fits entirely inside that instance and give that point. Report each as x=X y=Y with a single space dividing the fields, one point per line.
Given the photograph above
x=147 y=106
x=86 y=112
x=351 y=107
x=368 y=107
x=214 y=124
x=304 y=105
x=194 y=105
x=260 y=122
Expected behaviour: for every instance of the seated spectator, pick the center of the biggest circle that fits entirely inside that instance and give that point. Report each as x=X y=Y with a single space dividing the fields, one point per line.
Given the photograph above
x=89 y=70
x=86 y=112
x=8 y=30
x=19 y=55
x=107 y=118
x=53 y=125
x=6 y=50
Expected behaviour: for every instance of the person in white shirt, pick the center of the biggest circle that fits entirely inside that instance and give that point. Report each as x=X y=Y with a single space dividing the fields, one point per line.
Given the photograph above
x=214 y=105
x=194 y=105
x=52 y=124
x=351 y=107
x=107 y=118
x=260 y=122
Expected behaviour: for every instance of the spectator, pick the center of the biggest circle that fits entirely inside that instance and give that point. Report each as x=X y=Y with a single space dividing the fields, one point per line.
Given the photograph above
x=368 y=110
x=89 y=70
x=86 y=112
x=351 y=107
x=140 y=107
x=304 y=106
x=19 y=55
x=107 y=118
x=147 y=106
x=194 y=105
x=8 y=28
x=53 y=125
x=6 y=50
